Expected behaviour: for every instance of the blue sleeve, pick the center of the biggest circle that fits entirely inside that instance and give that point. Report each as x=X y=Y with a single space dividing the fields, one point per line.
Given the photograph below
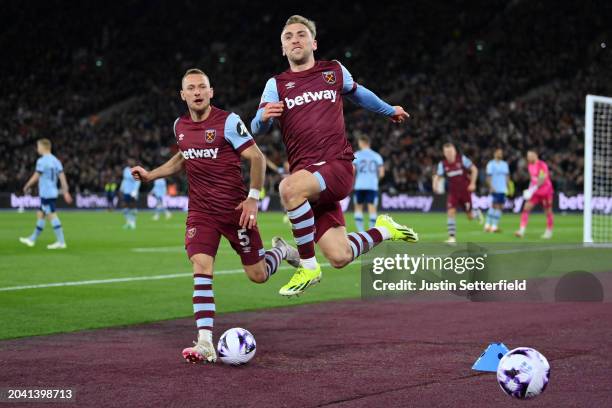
x=467 y=163
x=40 y=167
x=440 y=171
x=348 y=84
x=506 y=168
x=236 y=133
x=270 y=94
x=367 y=99
x=379 y=160
x=489 y=169
x=58 y=165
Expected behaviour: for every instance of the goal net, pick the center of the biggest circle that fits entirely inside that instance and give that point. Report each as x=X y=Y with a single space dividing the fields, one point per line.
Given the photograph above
x=598 y=169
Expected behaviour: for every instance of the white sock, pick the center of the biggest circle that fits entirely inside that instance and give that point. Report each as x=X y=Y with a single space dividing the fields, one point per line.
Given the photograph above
x=384 y=232
x=310 y=263
x=205 y=335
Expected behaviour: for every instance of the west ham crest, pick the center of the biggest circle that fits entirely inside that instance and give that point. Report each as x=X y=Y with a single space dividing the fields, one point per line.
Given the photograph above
x=209 y=135
x=329 y=77
x=191 y=232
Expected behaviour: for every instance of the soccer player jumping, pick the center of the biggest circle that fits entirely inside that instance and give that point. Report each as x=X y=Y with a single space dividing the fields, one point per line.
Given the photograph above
x=211 y=143
x=307 y=102
x=540 y=191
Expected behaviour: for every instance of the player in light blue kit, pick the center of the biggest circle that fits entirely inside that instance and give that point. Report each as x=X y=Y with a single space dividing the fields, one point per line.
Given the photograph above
x=48 y=170
x=159 y=192
x=129 y=189
x=368 y=170
x=498 y=178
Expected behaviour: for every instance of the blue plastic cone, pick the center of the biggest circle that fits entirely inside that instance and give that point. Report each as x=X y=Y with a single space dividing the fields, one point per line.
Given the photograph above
x=489 y=359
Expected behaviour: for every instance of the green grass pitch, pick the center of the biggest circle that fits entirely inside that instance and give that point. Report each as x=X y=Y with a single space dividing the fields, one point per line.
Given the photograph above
x=99 y=249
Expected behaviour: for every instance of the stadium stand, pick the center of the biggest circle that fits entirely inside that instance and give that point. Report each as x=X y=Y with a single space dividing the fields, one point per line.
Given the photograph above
x=483 y=74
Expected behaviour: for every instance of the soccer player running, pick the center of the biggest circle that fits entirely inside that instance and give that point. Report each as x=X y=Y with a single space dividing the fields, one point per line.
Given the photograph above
x=211 y=143
x=159 y=192
x=498 y=178
x=368 y=170
x=129 y=188
x=540 y=191
x=461 y=175
x=307 y=102
x=48 y=170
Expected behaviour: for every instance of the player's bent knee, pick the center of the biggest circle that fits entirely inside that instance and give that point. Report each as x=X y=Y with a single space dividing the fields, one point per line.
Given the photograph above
x=288 y=191
x=339 y=262
x=339 y=258
x=256 y=273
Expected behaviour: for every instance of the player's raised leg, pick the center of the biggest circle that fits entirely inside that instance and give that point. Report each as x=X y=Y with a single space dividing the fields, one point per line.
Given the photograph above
x=203 y=309
x=341 y=248
x=258 y=263
x=296 y=191
x=261 y=271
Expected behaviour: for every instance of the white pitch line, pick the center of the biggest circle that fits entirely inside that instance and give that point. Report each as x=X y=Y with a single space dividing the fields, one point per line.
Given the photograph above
x=129 y=279
x=171 y=249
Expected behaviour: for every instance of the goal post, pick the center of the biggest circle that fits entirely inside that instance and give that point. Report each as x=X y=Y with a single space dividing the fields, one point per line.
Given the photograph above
x=597 y=220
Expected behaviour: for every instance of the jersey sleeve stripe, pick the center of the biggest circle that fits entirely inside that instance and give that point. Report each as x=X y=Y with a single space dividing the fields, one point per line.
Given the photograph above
x=245 y=145
x=174 y=126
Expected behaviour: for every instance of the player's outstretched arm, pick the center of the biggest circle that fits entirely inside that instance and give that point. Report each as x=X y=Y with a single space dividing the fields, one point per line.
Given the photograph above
x=367 y=99
x=248 y=218
x=169 y=168
x=65 y=189
x=33 y=180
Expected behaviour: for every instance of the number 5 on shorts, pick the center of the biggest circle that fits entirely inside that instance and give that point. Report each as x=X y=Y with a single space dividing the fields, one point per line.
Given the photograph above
x=243 y=237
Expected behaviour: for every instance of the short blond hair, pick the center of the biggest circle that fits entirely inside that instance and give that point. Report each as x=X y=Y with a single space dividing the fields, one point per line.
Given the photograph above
x=192 y=71
x=46 y=143
x=297 y=19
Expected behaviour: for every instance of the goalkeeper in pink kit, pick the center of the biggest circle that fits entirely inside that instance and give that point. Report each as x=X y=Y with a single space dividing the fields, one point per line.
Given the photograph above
x=540 y=191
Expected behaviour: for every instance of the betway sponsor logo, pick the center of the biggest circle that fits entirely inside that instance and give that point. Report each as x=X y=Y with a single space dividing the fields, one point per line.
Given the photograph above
x=308 y=97
x=200 y=153
x=573 y=203
x=406 y=202
x=454 y=173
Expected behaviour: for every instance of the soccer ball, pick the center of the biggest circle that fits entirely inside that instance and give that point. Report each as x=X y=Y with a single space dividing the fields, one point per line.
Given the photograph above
x=523 y=373
x=236 y=346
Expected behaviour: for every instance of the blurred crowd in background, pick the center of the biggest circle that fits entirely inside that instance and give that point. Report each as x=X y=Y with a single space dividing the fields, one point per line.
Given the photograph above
x=510 y=74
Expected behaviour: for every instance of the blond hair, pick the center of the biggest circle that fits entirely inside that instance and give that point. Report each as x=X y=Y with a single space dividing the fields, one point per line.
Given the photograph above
x=46 y=143
x=297 y=19
x=192 y=71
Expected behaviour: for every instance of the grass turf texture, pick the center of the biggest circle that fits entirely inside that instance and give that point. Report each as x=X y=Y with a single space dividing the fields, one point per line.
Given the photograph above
x=98 y=248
